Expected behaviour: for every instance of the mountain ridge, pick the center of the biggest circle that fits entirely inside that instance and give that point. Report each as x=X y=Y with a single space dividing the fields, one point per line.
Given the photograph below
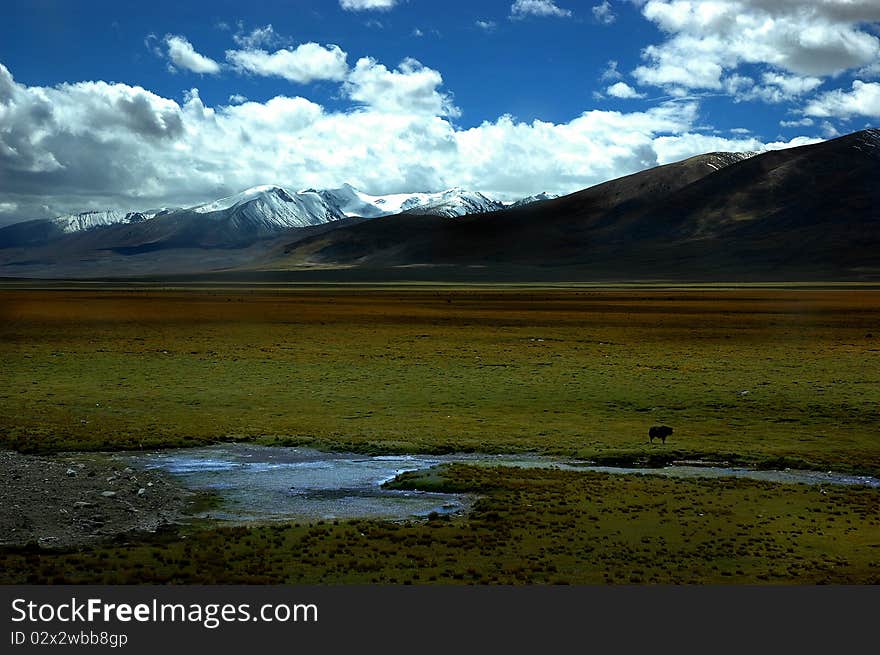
x=809 y=212
x=270 y=207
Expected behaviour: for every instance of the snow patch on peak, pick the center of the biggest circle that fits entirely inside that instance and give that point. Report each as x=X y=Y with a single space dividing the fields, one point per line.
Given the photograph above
x=451 y=202
x=538 y=197
x=719 y=160
x=243 y=197
x=99 y=218
x=872 y=137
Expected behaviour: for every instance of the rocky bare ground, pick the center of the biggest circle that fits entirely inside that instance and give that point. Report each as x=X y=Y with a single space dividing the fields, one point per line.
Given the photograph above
x=82 y=498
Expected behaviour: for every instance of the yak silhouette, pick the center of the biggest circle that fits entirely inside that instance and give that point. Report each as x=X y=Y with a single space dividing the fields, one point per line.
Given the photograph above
x=659 y=432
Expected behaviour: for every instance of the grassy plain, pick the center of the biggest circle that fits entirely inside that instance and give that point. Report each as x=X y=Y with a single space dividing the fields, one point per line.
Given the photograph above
x=761 y=375
x=749 y=373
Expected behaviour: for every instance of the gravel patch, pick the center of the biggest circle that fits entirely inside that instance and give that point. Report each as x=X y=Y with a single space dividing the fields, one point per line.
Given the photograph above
x=77 y=499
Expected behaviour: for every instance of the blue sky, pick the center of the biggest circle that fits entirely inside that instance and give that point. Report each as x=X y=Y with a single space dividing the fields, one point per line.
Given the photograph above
x=134 y=104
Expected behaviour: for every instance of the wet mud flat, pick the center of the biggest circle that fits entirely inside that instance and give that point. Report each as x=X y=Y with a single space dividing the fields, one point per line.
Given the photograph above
x=79 y=499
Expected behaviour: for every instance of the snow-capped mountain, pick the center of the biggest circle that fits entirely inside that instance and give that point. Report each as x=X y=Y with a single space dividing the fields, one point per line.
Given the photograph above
x=450 y=203
x=538 y=197
x=236 y=220
x=269 y=208
x=350 y=201
x=87 y=220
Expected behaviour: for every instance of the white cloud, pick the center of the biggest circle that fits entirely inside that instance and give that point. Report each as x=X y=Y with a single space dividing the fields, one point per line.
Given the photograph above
x=487 y=25
x=791 y=86
x=603 y=13
x=90 y=145
x=259 y=37
x=505 y=156
x=411 y=89
x=523 y=8
x=803 y=122
x=623 y=90
x=306 y=63
x=863 y=100
x=151 y=42
x=611 y=72
x=367 y=5
x=237 y=99
x=417 y=32
x=829 y=131
x=708 y=38
x=183 y=55
x=677 y=147
x=796 y=142
x=773 y=88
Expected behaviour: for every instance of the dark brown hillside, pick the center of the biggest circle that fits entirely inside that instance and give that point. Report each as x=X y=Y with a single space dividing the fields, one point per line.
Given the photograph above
x=812 y=209
x=507 y=236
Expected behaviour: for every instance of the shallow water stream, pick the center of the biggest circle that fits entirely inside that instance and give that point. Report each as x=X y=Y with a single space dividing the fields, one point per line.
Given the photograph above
x=259 y=483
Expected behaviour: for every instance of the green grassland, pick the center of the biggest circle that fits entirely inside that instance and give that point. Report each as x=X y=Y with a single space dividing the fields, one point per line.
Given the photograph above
x=532 y=526
x=762 y=376
x=753 y=375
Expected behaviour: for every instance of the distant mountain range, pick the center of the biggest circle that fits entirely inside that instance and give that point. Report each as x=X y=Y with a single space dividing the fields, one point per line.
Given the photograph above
x=240 y=219
x=811 y=212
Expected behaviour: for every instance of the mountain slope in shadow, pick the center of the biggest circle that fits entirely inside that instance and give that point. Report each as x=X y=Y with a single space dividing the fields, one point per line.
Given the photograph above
x=811 y=210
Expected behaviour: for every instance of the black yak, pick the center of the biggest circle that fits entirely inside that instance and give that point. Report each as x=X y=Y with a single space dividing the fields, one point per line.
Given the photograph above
x=659 y=432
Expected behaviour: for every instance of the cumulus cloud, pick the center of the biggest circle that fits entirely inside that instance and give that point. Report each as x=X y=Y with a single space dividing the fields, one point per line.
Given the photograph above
x=675 y=148
x=308 y=62
x=90 y=145
x=603 y=13
x=367 y=5
x=862 y=100
x=623 y=90
x=707 y=39
x=183 y=55
x=523 y=8
x=411 y=89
